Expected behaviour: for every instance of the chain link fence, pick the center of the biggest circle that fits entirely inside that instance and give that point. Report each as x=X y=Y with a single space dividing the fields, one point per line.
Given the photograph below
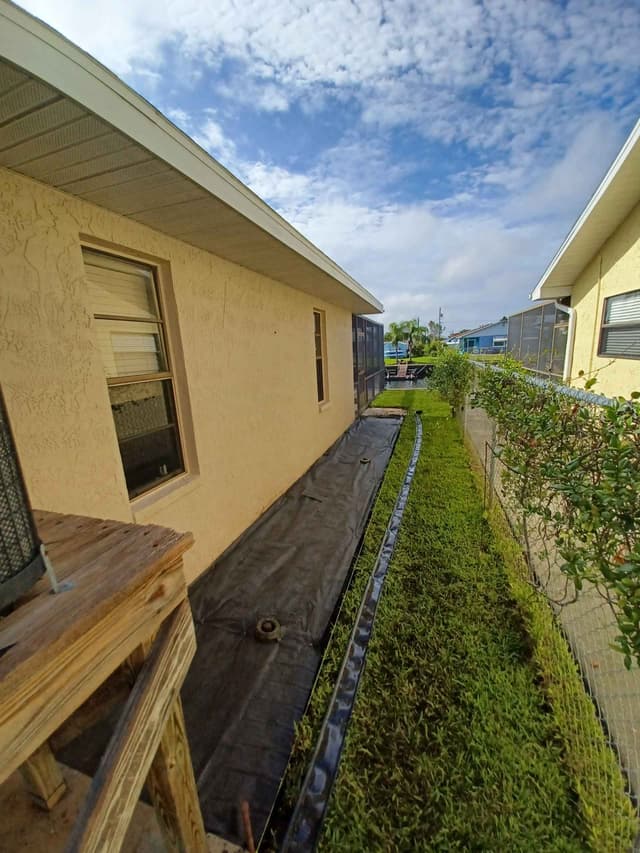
x=585 y=619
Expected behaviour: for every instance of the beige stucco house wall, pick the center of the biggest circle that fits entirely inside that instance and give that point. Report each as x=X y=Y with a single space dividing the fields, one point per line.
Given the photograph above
x=86 y=163
x=243 y=350
x=614 y=269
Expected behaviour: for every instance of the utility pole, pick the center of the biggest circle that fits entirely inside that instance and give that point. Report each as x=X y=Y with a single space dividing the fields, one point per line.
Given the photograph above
x=439 y=323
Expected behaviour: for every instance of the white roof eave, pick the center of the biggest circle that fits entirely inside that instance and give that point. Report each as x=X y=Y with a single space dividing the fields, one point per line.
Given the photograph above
x=38 y=49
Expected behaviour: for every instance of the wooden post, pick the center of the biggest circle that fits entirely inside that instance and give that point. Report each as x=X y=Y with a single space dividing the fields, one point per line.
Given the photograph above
x=43 y=777
x=172 y=788
x=116 y=786
x=171 y=783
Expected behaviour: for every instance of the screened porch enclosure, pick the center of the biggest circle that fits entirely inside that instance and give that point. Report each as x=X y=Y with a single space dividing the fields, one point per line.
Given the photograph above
x=368 y=360
x=538 y=338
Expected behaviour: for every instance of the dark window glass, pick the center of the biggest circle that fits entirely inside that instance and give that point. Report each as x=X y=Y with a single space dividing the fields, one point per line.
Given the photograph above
x=320 y=380
x=145 y=420
x=320 y=364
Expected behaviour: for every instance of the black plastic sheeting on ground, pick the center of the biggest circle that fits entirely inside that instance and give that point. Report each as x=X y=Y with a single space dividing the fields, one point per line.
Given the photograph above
x=306 y=822
x=242 y=697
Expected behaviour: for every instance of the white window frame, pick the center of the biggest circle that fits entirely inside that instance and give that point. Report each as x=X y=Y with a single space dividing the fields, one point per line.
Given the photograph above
x=604 y=326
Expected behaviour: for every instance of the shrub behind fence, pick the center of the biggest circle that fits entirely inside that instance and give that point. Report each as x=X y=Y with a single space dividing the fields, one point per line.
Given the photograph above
x=586 y=611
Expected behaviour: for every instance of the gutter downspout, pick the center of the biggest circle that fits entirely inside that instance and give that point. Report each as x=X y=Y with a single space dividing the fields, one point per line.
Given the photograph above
x=571 y=333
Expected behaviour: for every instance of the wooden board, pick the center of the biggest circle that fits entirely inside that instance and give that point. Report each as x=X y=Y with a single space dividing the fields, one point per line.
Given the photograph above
x=117 y=784
x=172 y=787
x=43 y=778
x=34 y=706
x=127 y=579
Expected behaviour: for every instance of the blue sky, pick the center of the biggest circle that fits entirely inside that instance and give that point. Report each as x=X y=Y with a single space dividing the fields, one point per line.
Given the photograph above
x=439 y=151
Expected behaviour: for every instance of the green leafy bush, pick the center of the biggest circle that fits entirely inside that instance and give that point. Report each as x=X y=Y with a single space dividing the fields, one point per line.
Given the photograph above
x=575 y=468
x=452 y=376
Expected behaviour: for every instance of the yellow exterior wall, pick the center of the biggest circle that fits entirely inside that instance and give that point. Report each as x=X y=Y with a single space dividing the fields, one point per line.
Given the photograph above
x=614 y=269
x=248 y=356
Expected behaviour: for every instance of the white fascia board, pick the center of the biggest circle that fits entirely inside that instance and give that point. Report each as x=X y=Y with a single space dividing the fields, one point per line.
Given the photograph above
x=32 y=45
x=546 y=288
x=550 y=293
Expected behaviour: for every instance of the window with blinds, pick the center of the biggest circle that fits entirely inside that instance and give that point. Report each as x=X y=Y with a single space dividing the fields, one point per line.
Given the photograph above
x=131 y=339
x=620 y=333
x=321 y=360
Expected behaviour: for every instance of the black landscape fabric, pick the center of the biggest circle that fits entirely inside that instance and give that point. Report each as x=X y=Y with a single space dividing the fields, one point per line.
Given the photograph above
x=241 y=696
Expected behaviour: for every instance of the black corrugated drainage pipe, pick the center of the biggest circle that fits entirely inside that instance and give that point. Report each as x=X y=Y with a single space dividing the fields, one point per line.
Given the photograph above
x=306 y=822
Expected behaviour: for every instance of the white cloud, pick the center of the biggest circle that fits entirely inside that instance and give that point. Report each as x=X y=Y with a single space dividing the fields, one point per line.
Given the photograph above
x=532 y=97
x=179 y=116
x=417 y=64
x=560 y=191
x=259 y=95
x=415 y=257
x=477 y=261
x=211 y=137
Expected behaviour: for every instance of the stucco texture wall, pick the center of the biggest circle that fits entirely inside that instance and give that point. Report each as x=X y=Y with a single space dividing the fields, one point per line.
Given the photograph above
x=244 y=345
x=614 y=269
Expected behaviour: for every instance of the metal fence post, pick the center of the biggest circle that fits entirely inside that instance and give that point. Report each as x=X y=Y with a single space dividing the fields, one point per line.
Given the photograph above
x=492 y=465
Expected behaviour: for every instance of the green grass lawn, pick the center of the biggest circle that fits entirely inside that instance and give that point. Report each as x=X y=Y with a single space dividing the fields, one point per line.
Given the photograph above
x=411 y=399
x=454 y=744
x=418 y=359
x=431 y=359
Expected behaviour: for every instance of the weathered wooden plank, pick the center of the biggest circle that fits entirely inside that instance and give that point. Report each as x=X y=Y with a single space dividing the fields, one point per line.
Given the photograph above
x=74 y=540
x=71 y=542
x=172 y=786
x=128 y=556
x=43 y=777
x=171 y=781
x=38 y=696
x=117 y=784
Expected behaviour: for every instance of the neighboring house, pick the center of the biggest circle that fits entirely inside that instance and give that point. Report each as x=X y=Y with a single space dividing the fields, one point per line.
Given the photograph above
x=597 y=272
x=492 y=337
x=171 y=350
x=454 y=339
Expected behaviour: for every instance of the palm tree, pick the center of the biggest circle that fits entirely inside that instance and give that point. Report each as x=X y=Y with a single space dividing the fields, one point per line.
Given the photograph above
x=415 y=334
x=397 y=332
x=435 y=331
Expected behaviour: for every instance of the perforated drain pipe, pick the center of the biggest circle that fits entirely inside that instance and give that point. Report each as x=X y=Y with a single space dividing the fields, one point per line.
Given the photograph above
x=308 y=816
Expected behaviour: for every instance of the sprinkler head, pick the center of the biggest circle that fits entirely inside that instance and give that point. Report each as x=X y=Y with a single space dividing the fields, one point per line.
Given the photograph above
x=268 y=630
